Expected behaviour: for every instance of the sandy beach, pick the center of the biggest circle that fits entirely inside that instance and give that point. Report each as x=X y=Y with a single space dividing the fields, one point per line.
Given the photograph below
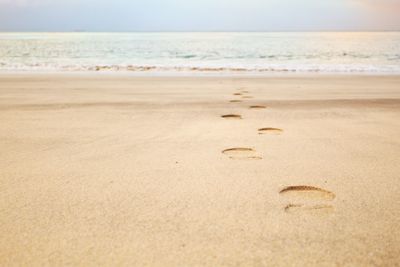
x=115 y=170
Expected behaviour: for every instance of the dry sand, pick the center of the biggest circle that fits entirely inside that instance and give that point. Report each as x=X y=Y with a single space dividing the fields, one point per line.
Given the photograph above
x=130 y=171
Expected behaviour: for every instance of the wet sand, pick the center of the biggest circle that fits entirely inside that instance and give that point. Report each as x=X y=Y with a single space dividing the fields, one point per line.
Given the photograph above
x=186 y=171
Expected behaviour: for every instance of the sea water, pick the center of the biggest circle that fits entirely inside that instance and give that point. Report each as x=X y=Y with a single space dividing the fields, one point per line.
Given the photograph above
x=324 y=52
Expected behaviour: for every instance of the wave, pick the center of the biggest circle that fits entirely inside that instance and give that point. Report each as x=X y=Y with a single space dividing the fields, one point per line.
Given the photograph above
x=192 y=52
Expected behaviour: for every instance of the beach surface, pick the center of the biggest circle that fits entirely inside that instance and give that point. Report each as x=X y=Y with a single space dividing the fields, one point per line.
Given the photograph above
x=199 y=171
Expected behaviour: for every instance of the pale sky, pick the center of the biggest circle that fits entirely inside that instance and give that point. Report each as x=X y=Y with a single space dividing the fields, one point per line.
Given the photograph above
x=199 y=15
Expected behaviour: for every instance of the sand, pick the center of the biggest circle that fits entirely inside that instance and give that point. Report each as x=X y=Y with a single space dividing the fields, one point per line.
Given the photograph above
x=139 y=171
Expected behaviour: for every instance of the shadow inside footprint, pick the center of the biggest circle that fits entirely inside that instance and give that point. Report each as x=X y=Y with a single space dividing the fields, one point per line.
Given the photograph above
x=316 y=209
x=270 y=130
x=241 y=153
x=237 y=94
x=235 y=101
x=258 y=107
x=232 y=116
x=305 y=192
x=247 y=96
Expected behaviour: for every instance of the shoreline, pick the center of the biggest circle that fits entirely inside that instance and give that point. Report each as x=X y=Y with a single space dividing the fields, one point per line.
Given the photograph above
x=197 y=75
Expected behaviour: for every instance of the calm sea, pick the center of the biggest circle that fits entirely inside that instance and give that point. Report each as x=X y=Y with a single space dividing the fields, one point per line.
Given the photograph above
x=201 y=52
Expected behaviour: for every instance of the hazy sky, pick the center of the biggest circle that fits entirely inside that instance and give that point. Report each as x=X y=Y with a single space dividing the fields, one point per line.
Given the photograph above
x=199 y=15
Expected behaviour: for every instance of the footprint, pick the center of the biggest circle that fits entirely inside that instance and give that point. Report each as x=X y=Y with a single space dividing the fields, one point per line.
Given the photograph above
x=235 y=101
x=247 y=96
x=270 y=130
x=232 y=116
x=258 y=107
x=316 y=209
x=305 y=192
x=308 y=199
x=241 y=153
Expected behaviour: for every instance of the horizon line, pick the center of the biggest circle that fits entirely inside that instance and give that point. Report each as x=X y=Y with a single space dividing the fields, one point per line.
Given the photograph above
x=216 y=31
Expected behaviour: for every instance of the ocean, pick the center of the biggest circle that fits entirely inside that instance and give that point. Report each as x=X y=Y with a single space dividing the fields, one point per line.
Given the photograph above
x=323 y=52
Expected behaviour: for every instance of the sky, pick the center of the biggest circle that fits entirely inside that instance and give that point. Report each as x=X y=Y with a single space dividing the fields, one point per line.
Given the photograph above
x=199 y=15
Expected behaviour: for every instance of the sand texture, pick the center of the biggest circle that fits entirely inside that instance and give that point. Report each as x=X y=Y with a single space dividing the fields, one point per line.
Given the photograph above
x=199 y=171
